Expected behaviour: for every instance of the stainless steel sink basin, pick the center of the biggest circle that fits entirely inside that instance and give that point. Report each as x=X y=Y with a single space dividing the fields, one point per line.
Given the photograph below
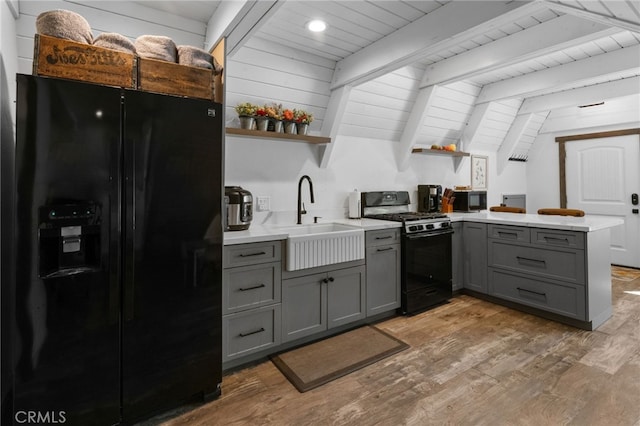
x=319 y=244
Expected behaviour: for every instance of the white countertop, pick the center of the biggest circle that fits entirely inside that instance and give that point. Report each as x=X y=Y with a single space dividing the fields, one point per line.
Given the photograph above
x=589 y=223
x=586 y=223
x=260 y=233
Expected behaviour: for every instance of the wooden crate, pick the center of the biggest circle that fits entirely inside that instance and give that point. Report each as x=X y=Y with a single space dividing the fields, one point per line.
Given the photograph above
x=55 y=57
x=174 y=79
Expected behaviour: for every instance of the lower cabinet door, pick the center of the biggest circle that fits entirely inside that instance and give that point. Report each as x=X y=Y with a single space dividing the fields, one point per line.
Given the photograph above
x=304 y=306
x=346 y=300
x=561 y=298
x=474 y=237
x=383 y=278
x=250 y=331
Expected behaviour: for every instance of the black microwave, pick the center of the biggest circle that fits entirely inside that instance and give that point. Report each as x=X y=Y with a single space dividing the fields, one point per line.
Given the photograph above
x=469 y=201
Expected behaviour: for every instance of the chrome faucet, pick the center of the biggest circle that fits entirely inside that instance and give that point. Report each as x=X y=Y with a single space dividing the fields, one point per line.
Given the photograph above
x=301 y=209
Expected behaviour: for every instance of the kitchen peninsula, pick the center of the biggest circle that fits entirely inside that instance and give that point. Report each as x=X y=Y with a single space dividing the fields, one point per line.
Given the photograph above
x=552 y=266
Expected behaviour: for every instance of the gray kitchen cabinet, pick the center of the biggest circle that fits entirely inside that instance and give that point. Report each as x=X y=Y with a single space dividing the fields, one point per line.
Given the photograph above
x=457 y=257
x=322 y=300
x=382 y=252
x=474 y=236
x=247 y=332
x=541 y=268
x=251 y=298
x=563 y=274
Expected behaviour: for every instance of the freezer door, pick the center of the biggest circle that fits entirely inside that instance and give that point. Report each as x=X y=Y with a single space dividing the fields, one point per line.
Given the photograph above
x=173 y=236
x=66 y=344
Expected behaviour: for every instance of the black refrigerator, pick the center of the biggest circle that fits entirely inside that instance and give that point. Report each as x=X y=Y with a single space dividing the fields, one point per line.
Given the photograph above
x=118 y=252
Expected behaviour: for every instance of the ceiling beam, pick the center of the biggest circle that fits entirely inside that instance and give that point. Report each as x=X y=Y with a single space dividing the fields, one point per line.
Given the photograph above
x=594 y=16
x=445 y=27
x=508 y=146
x=545 y=38
x=331 y=122
x=471 y=130
x=581 y=96
x=414 y=124
x=550 y=79
x=238 y=21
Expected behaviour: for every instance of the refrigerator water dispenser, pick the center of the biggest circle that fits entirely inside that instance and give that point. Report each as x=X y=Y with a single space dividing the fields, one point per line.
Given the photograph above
x=69 y=239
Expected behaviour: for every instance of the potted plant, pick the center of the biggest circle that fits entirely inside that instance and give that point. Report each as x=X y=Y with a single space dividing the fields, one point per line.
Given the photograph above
x=302 y=118
x=262 y=118
x=274 y=112
x=289 y=121
x=246 y=112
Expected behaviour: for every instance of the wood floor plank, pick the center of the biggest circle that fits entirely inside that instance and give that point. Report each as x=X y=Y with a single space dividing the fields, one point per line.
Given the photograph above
x=470 y=363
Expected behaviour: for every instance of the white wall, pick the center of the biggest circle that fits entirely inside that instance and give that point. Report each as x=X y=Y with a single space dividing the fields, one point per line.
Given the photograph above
x=364 y=153
x=542 y=173
x=272 y=168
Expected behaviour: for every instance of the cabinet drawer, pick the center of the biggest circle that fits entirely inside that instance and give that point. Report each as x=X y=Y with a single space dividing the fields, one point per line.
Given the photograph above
x=548 y=262
x=251 y=331
x=563 y=299
x=251 y=254
x=382 y=237
x=251 y=286
x=511 y=233
x=551 y=237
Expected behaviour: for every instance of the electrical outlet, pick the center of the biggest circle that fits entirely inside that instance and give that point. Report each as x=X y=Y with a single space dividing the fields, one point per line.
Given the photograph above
x=263 y=204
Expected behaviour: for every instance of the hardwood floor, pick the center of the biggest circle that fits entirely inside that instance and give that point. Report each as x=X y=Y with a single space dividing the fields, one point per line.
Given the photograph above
x=470 y=363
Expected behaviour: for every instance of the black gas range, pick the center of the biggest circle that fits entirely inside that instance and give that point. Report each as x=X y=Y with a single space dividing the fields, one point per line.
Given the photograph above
x=426 y=249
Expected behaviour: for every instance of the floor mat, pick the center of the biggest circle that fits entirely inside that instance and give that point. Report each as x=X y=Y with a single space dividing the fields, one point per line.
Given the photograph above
x=315 y=364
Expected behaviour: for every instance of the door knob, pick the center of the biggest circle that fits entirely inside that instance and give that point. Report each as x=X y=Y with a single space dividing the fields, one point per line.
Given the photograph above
x=634 y=199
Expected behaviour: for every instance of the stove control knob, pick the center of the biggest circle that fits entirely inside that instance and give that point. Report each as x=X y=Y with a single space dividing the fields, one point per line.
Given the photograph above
x=413 y=228
x=430 y=226
x=444 y=225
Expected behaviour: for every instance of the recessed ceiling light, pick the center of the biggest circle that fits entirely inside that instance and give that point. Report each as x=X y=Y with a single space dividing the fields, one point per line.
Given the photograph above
x=317 y=26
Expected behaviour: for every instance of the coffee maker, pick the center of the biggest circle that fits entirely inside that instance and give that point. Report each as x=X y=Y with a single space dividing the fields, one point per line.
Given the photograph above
x=429 y=198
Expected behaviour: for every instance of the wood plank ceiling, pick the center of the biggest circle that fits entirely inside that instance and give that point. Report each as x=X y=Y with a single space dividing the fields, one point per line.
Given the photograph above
x=482 y=74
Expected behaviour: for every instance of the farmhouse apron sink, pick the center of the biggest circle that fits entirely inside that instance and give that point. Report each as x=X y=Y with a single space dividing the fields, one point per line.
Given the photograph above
x=319 y=244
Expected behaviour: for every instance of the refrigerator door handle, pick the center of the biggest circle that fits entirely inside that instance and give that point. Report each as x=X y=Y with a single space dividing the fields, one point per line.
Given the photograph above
x=130 y=237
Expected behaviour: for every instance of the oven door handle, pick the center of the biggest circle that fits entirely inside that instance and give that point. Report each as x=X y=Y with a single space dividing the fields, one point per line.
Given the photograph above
x=430 y=234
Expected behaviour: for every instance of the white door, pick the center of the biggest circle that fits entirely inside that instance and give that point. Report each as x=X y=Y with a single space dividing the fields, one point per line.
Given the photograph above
x=601 y=175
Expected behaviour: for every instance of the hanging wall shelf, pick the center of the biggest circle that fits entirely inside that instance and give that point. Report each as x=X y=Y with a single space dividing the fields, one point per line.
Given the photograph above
x=439 y=152
x=456 y=156
x=281 y=136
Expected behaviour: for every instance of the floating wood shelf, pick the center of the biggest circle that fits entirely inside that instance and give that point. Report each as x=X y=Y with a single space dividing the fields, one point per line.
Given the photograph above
x=273 y=135
x=456 y=156
x=440 y=152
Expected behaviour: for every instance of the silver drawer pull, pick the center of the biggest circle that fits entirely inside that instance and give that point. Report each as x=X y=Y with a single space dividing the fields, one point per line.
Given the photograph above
x=255 y=287
x=385 y=249
x=532 y=292
x=252 y=332
x=260 y=253
x=557 y=240
x=526 y=259
x=507 y=234
x=384 y=238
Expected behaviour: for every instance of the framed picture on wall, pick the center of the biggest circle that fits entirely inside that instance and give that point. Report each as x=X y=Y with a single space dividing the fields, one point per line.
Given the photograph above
x=479 y=171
